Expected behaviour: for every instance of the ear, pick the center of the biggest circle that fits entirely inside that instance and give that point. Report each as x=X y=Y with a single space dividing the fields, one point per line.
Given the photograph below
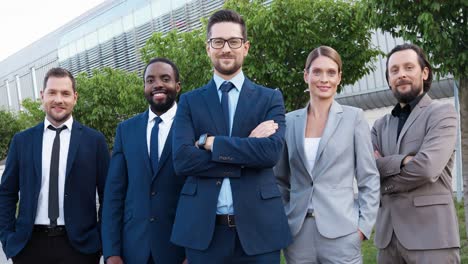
x=246 y=48
x=339 y=78
x=207 y=45
x=178 y=88
x=75 y=95
x=306 y=76
x=425 y=73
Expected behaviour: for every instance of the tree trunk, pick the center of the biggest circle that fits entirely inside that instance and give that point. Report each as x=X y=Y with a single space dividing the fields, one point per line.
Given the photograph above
x=463 y=95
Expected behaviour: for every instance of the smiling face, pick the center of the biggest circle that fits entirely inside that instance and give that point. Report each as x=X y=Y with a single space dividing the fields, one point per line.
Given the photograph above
x=161 y=87
x=323 y=78
x=227 y=61
x=405 y=75
x=58 y=99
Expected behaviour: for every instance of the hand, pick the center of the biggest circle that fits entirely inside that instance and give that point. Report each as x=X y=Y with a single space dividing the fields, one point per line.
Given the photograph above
x=114 y=260
x=185 y=261
x=264 y=129
x=407 y=159
x=209 y=143
x=377 y=154
x=361 y=235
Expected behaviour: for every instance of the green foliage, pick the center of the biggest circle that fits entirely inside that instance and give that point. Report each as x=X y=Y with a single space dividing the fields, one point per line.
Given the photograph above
x=281 y=35
x=31 y=115
x=15 y=122
x=7 y=130
x=439 y=27
x=108 y=97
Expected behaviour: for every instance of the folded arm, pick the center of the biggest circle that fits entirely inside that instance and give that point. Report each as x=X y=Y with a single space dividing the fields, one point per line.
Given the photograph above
x=428 y=163
x=229 y=154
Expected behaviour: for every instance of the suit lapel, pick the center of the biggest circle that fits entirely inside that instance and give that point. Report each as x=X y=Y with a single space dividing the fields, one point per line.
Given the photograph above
x=243 y=105
x=37 y=152
x=140 y=131
x=391 y=136
x=77 y=130
x=425 y=101
x=210 y=95
x=334 y=118
x=299 y=133
x=165 y=154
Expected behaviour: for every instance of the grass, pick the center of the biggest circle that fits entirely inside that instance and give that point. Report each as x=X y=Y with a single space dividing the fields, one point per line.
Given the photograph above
x=369 y=251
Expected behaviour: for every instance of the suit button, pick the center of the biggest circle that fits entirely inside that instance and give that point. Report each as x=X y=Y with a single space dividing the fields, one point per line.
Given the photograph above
x=152 y=219
x=153 y=193
x=218 y=183
x=66 y=195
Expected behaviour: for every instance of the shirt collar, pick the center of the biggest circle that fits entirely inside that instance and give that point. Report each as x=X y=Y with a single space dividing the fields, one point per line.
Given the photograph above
x=237 y=80
x=397 y=110
x=166 y=117
x=68 y=123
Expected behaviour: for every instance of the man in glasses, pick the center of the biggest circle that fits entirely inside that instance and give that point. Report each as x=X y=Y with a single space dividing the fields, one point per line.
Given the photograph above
x=228 y=135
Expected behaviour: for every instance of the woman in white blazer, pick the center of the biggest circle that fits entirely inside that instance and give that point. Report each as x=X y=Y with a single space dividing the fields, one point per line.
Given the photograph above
x=328 y=146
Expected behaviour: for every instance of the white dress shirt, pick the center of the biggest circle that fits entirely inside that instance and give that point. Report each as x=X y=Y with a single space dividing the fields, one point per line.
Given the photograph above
x=310 y=149
x=42 y=215
x=164 y=128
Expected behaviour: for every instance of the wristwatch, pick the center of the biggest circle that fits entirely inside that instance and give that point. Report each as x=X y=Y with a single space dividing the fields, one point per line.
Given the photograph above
x=202 y=140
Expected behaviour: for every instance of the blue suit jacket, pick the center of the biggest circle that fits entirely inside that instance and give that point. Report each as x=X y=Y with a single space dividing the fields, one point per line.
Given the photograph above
x=139 y=207
x=88 y=160
x=260 y=218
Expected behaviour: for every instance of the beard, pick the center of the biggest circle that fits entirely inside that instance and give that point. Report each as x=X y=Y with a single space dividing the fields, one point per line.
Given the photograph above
x=409 y=96
x=227 y=69
x=162 y=107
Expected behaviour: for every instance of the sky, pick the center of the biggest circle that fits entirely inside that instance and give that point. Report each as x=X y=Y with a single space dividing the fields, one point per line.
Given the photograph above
x=24 y=21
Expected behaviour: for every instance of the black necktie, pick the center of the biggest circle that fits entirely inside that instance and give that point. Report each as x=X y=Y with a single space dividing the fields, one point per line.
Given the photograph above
x=54 y=175
x=225 y=88
x=154 y=144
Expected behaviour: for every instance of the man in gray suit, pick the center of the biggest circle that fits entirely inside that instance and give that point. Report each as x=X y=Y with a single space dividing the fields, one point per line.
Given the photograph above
x=414 y=148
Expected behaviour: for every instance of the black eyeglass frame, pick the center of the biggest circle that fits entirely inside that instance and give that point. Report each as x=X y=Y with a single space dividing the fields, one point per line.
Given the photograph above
x=226 y=41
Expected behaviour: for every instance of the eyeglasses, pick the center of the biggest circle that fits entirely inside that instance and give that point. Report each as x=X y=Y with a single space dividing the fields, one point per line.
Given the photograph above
x=218 y=43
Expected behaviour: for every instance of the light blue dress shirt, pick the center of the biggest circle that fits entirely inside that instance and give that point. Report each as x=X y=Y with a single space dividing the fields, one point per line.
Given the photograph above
x=225 y=205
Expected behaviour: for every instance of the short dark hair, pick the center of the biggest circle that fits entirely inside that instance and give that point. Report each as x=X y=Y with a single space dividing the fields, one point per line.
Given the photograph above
x=226 y=15
x=59 y=73
x=163 y=60
x=422 y=60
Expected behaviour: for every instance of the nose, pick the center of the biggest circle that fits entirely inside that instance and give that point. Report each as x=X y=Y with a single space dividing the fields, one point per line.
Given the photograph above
x=226 y=47
x=323 y=77
x=58 y=98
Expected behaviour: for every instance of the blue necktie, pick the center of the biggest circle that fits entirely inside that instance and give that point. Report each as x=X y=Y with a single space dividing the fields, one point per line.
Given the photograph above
x=225 y=88
x=154 y=144
x=53 y=210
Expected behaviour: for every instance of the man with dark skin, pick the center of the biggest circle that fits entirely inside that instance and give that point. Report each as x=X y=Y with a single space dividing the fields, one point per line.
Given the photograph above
x=142 y=186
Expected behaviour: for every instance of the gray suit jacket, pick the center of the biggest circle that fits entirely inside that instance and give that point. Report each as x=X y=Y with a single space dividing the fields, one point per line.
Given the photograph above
x=344 y=153
x=416 y=200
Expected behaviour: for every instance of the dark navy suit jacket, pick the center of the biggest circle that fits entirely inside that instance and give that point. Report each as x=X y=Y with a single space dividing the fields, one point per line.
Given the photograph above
x=260 y=218
x=139 y=207
x=87 y=164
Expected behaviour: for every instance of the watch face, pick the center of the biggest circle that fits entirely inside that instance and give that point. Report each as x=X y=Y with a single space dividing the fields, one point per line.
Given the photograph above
x=202 y=140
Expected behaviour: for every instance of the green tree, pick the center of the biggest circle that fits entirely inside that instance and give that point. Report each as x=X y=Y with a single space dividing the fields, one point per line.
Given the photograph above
x=108 y=97
x=14 y=122
x=7 y=130
x=440 y=28
x=282 y=34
